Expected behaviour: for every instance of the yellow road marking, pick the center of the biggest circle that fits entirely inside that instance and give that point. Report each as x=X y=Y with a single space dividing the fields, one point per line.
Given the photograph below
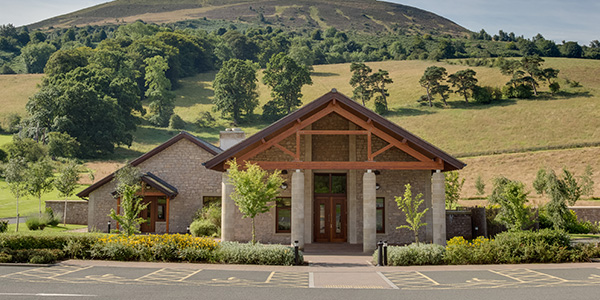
x=270 y=276
x=150 y=274
x=72 y=271
x=426 y=277
x=192 y=274
x=511 y=277
x=551 y=276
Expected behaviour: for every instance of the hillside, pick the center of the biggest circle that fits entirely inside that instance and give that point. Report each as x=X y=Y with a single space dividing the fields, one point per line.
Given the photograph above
x=369 y=16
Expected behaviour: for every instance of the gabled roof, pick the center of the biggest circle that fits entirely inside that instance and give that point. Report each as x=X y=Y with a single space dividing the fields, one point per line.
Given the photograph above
x=157 y=183
x=214 y=150
x=449 y=163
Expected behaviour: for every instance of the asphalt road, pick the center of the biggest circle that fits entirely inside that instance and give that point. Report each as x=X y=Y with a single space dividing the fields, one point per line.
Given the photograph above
x=194 y=282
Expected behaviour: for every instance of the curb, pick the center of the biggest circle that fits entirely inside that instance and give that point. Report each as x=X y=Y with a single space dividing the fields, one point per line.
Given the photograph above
x=27 y=265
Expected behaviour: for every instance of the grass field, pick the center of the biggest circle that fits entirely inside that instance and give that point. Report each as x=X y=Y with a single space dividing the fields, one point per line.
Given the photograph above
x=47 y=231
x=27 y=205
x=15 y=91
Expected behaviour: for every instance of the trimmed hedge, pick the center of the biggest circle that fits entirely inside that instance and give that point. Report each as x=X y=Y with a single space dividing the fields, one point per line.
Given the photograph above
x=414 y=254
x=259 y=254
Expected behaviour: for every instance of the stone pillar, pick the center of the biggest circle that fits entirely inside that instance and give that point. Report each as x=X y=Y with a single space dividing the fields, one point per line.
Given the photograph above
x=298 y=208
x=438 y=205
x=369 y=212
x=228 y=208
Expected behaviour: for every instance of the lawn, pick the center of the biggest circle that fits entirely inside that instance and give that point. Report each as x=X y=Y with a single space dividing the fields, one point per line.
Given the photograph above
x=27 y=205
x=49 y=230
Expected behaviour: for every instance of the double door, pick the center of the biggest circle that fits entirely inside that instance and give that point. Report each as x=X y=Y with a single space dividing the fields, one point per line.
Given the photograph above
x=330 y=219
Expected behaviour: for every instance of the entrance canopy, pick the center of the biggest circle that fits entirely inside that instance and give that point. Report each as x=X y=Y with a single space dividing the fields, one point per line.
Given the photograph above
x=366 y=123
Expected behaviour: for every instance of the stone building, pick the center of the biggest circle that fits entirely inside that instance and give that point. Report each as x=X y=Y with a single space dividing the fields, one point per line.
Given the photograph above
x=343 y=166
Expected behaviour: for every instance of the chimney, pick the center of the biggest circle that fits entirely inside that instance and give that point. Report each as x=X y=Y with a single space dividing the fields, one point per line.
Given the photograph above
x=230 y=137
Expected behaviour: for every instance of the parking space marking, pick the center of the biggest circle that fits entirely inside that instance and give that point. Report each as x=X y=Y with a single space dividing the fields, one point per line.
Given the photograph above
x=168 y=275
x=530 y=277
x=390 y=283
x=409 y=279
x=270 y=276
x=47 y=273
x=290 y=279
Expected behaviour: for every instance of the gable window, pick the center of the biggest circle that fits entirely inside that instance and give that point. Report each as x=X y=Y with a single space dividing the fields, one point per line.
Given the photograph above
x=283 y=215
x=380 y=214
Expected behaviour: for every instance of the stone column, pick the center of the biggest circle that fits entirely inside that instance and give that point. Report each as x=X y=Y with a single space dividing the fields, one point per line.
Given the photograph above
x=227 y=209
x=298 y=208
x=369 y=212
x=438 y=206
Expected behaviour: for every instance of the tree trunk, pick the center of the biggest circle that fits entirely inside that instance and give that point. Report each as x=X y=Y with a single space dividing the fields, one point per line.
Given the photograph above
x=533 y=86
x=466 y=99
x=417 y=236
x=253 y=233
x=40 y=205
x=65 y=213
x=18 y=213
x=429 y=98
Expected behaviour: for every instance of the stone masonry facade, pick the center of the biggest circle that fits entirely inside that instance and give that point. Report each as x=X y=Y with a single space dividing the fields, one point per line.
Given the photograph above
x=77 y=210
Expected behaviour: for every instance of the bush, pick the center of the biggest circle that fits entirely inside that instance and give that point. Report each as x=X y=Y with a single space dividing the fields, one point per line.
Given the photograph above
x=3 y=226
x=53 y=220
x=554 y=88
x=206 y=120
x=414 y=254
x=238 y=253
x=203 y=227
x=36 y=223
x=541 y=246
x=479 y=251
x=211 y=213
x=176 y=122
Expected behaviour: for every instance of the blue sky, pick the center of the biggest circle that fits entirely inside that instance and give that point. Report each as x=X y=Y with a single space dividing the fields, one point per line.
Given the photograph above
x=557 y=20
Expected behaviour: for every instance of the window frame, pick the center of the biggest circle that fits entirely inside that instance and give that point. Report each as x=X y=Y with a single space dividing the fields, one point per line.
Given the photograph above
x=277 y=209
x=382 y=208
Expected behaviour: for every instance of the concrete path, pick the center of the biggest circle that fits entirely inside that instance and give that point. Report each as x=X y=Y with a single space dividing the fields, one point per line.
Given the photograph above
x=13 y=220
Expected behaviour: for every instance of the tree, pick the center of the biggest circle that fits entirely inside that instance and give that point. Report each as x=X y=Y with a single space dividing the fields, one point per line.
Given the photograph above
x=571 y=50
x=66 y=182
x=531 y=65
x=464 y=81
x=286 y=78
x=512 y=198
x=378 y=81
x=235 y=88
x=360 y=82
x=158 y=90
x=128 y=184
x=586 y=181
x=14 y=174
x=431 y=80
x=254 y=188
x=410 y=207
x=39 y=178
x=25 y=148
x=453 y=187
x=480 y=185
x=548 y=74
x=35 y=56
x=562 y=192
x=61 y=144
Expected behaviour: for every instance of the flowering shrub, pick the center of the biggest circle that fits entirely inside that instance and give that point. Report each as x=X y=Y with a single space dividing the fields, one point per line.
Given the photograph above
x=477 y=251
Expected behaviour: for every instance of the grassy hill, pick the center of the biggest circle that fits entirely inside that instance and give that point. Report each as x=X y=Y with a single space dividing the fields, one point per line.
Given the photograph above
x=369 y=16
x=568 y=120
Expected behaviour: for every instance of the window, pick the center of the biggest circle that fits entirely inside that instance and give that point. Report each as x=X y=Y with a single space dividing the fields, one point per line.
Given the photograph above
x=211 y=200
x=283 y=214
x=380 y=214
x=330 y=183
x=161 y=208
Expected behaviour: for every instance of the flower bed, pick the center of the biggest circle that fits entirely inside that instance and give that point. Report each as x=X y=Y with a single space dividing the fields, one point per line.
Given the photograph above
x=168 y=247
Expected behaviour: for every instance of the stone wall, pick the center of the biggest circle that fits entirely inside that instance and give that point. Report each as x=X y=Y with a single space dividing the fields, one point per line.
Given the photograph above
x=458 y=223
x=77 y=210
x=181 y=166
x=587 y=213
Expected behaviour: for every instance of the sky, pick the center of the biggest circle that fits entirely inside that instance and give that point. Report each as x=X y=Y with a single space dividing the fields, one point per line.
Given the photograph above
x=556 y=20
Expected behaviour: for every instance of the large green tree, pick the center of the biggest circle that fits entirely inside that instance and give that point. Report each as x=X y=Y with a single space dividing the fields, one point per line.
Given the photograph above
x=286 y=78
x=360 y=82
x=431 y=81
x=464 y=81
x=235 y=88
x=378 y=81
x=254 y=188
x=159 y=90
x=512 y=198
x=532 y=66
x=35 y=56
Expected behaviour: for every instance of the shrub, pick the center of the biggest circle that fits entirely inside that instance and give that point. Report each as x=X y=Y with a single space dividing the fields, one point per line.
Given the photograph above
x=32 y=256
x=53 y=220
x=541 y=246
x=176 y=122
x=35 y=223
x=206 y=120
x=554 y=88
x=482 y=95
x=414 y=254
x=203 y=227
x=238 y=253
x=211 y=213
x=479 y=251
x=3 y=226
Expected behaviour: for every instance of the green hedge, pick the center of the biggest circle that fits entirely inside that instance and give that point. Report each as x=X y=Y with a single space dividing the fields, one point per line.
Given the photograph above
x=238 y=253
x=414 y=254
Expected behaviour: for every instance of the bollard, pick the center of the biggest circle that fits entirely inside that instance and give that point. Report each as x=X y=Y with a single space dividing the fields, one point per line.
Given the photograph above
x=187 y=230
x=108 y=227
x=385 y=245
x=296 y=254
x=380 y=254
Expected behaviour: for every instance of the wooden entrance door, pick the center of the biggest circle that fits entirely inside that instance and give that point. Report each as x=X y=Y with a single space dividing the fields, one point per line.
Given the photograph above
x=330 y=219
x=149 y=215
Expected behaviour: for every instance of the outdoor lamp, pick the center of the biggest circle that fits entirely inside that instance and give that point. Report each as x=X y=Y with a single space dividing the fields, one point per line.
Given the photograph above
x=296 y=254
x=108 y=226
x=284 y=186
x=377 y=186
